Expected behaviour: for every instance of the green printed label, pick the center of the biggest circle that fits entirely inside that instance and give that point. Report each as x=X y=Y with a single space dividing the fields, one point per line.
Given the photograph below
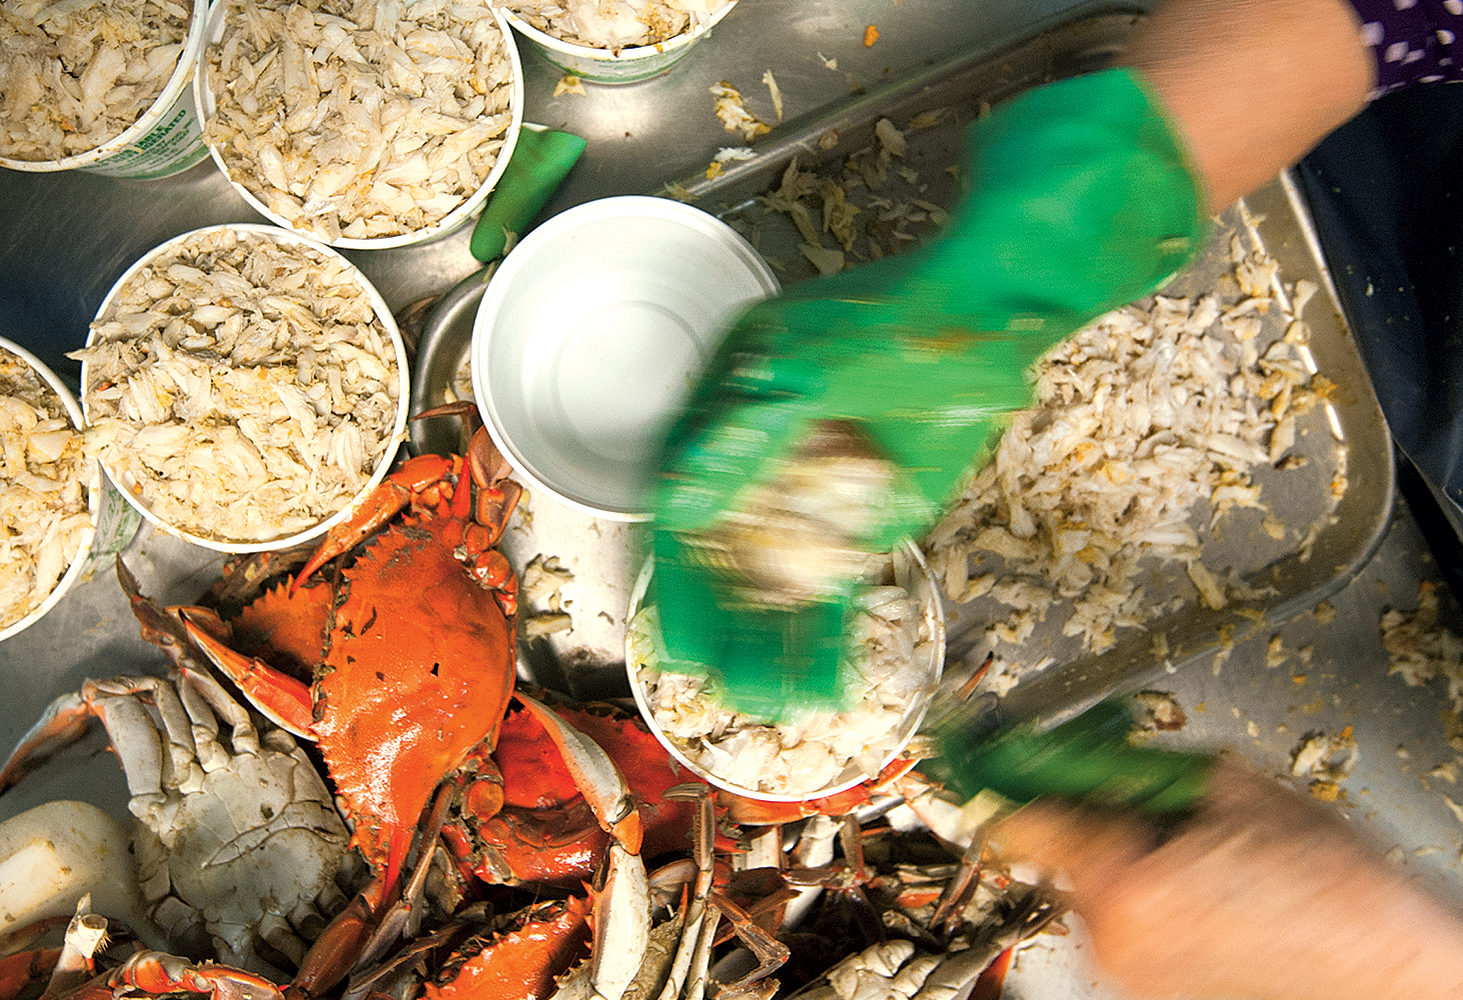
x=173 y=145
x=117 y=524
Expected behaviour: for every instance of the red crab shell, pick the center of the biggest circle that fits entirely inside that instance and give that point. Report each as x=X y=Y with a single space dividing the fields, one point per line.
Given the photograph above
x=419 y=671
x=522 y=963
x=536 y=826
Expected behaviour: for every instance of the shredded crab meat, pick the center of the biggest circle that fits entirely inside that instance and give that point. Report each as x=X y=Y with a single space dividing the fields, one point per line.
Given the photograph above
x=77 y=74
x=806 y=754
x=1421 y=649
x=242 y=388
x=1141 y=419
x=43 y=475
x=356 y=119
x=616 y=24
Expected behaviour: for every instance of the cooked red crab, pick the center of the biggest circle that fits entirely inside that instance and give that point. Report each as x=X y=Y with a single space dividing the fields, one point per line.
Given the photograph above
x=410 y=651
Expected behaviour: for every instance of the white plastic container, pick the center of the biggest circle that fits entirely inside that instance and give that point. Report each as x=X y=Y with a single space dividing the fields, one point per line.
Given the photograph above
x=590 y=334
x=166 y=140
x=127 y=488
x=453 y=220
x=925 y=592
x=617 y=66
x=76 y=568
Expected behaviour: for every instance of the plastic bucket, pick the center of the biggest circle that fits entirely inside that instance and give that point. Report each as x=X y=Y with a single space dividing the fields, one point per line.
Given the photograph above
x=383 y=462
x=621 y=66
x=923 y=590
x=453 y=220
x=590 y=334
x=166 y=140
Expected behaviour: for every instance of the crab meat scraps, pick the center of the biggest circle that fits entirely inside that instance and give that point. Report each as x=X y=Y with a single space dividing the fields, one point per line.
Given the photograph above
x=808 y=753
x=43 y=476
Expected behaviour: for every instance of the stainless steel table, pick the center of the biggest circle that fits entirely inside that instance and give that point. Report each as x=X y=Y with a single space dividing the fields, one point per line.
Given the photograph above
x=64 y=238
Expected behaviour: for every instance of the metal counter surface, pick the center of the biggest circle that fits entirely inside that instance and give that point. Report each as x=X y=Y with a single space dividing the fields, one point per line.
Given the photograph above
x=64 y=238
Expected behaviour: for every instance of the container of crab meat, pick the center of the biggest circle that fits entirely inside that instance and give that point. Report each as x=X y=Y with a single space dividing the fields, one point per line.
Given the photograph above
x=619 y=42
x=362 y=125
x=48 y=490
x=101 y=87
x=244 y=387
x=893 y=671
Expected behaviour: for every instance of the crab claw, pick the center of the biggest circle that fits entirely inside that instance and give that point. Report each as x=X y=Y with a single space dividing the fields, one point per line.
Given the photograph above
x=158 y=973
x=384 y=503
x=286 y=701
x=595 y=775
x=498 y=495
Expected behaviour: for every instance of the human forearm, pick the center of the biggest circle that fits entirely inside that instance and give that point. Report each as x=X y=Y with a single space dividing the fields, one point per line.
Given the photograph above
x=1263 y=894
x=1252 y=85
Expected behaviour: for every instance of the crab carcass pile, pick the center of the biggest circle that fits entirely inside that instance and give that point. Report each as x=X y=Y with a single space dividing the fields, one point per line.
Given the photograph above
x=235 y=352
x=359 y=120
x=44 y=477
x=77 y=75
x=616 y=24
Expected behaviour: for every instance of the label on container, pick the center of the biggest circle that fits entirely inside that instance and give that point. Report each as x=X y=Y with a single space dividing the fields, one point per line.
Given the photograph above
x=171 y=146
x=117 y=524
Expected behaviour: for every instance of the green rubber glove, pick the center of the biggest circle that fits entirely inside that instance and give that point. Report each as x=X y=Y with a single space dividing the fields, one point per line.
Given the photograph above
x=1090 y=758
x=1081 y=200
x=540 y=162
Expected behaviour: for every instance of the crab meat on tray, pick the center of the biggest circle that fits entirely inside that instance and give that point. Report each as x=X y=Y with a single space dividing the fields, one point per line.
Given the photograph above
x=616 y=24
x=812 y=752
x=241 y=387
x=43 y=476
x=359 y=120
x=1146 y=422
x=77 y=75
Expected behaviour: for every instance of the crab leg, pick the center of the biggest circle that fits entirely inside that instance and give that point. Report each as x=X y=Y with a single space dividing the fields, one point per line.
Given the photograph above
x=339 y=946
x=684 y=966
x=23 y=968
x=66 y=719
x=595 y=775
x=85 y=936
x=285 y=701
x=158 y=972
x=207 y=702
x=384 y=503
x=770 y=953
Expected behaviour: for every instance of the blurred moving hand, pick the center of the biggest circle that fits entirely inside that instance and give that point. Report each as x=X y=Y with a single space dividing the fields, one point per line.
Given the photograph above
x=837 y=418
x=1263 y=894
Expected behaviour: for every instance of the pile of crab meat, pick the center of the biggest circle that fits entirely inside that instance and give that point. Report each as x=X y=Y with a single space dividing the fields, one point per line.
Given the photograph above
x=243 y=388
x=892 y=672
x=359 y=120
x=1143 y=420
x=76 y=75
x=44 y=474
x=617 y=24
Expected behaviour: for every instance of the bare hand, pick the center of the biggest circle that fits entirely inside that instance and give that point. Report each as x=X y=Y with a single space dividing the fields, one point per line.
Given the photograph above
x=1262 y=894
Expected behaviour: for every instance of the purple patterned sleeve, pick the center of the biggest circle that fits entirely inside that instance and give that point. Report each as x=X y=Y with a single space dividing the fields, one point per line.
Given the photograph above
x=1414 y=41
